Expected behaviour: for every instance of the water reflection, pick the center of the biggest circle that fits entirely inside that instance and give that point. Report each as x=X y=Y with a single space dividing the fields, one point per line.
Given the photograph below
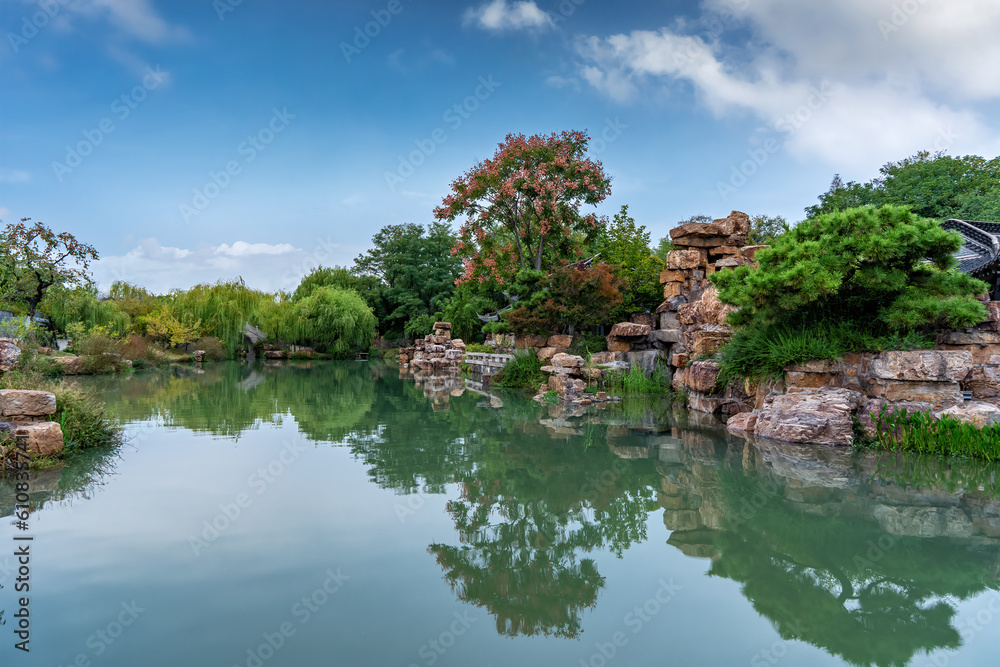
x=864 y=557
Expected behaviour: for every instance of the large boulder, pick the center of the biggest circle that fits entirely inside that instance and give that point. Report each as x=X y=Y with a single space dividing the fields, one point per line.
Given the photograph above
x=559 y=340
x=19 y=403
x=629 y=330
x=44 y=438
x=567 y=360
x=923 y=365
x=687 y=258
x=708 y=310
x=820 y=416
x=10 y=352
x=744 y=422
x=700 y=376
x=977 y=413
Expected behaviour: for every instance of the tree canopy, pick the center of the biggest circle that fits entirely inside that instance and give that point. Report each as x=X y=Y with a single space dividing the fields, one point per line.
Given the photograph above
x=33 y=258
x=625 y=246
x=521 y=207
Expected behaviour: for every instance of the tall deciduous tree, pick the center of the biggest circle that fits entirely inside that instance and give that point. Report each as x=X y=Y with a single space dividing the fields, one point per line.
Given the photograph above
x=33 y=258
x=522 y=206
x=625 y=246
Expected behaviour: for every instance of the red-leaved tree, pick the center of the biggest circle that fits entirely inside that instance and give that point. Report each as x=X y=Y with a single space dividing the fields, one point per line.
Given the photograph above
x=522 y=206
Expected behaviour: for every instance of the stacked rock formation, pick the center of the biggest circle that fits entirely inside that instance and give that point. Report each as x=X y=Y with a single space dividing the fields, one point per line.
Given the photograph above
x=435 y=351
x=25 y=414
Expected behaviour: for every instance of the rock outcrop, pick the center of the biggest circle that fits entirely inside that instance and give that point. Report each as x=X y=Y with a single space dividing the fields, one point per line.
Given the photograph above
x=26 y=414
x=820 y=416
x=435 y=351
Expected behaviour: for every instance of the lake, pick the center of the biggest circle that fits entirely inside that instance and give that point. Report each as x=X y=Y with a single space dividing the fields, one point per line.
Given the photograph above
x=340 y=514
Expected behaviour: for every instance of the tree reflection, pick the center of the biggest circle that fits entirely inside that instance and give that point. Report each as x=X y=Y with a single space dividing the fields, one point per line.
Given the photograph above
x=867 y=572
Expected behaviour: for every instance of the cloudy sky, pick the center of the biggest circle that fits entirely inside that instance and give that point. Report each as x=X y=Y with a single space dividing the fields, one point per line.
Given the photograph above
x=192 y=141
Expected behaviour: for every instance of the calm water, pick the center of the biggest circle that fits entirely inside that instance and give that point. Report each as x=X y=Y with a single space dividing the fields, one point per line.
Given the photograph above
x=336 y=514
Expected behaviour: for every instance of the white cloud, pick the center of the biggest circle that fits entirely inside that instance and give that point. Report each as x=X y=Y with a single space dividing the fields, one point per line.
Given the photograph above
x=499 y=15
x=4 y=213
x=136 y=18
x=893 y=82
x=265 y=266
x=242 y=249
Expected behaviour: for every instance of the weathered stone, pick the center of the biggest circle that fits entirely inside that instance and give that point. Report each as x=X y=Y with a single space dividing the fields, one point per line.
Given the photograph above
x=708 y=310
x=983 y=381
x=598 y=358
x=567 y=387
x=446 y=326
x=939 y=394
x=567 y=360
x=969 y=338
x=10 y=352
x=814 y=366
x=922 y=365
x=977 y=413
x=699 y=402
x=44 y=438
x=815 y=416
x=729 y=263
x=702 y=241
x=629 y=330
x=696 y=229
x=559 y=340
x=724 y=250
x=743 y=422
x=546 y=353
x=16 y=402
x=668 y=276
x=458 y=343
x=750 y=251
x=688 y=258
x=649 y=319
x=669 y=320
x=706 y=339
x=699 y=376
x=666 y=335
x=522 y=342
x=672 y=289
x=796 y=379
x=435 y=349
x=736 y=223
x=981 y=354
x=618 y=346
x=679 y=359
x=589 y=373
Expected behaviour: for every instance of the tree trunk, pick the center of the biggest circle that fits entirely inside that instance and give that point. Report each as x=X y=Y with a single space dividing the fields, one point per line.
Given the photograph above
x=538 y=256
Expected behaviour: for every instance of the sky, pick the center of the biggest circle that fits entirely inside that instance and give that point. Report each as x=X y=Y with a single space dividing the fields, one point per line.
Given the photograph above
x=195 y=141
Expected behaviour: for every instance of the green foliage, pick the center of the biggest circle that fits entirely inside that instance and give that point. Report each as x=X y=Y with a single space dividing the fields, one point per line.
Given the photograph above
x=134 y=301
x=164 y=327
x=463 y=308
x=551 y=397
x=522 y=206
x=861 y=265
x=918 y=432
x=634 y=382
x=419 y=326
x=570 y=296
x=64 y=306
x=524 y=371
x=765 y=229
x=33 y=259
x=585 y=344
x=221 y=310
x=625 y=247
x=330 y=319
x=410 y=271
x=212 y=347
x=761 y=351
x=934 y=186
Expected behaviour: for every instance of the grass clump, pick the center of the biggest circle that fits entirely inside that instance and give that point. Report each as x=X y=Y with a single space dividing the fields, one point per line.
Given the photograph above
x=919 y=433
x=761 y=351
x=524 y=371
x=634 y=382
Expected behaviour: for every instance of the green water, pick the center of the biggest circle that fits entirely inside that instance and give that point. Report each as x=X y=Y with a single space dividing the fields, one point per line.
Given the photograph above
x=338 y=514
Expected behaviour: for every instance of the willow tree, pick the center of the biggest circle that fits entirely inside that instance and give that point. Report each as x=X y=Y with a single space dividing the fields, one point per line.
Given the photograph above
x=521 y=208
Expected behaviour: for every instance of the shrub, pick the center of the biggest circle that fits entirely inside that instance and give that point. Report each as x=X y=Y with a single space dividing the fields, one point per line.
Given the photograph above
x=212 y=347
x=570 y=295
x=920 y=433
x=524 y=371
x=634 y=382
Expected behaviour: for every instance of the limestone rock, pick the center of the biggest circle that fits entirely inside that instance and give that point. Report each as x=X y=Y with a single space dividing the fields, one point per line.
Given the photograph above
x=729 y=263
x=672 y=290
x=736 y=223
x=618 y=346
x=10 y=352
x=629 y=330
x=983 y=381
x=546 y=353
x=696 y=229
x=699 y=376
x=702 y=241
x=922 y=365
x=687 y=258
x=666 y=335
x=668 y=276
x=559 y=340
x=522 y=342
x=669 y=320
x=977 y=413
x=750 y=251
x=44 y=438
x=458 y=344
x=939 y=394
x=15 y=402
x=705 y=339
x=567 y=360
x=709 y=310
x=445 y=326
x=816 y=416
x=743 y=422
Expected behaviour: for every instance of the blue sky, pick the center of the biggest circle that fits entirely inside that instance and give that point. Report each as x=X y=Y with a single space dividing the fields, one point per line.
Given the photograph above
x=196 y=141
